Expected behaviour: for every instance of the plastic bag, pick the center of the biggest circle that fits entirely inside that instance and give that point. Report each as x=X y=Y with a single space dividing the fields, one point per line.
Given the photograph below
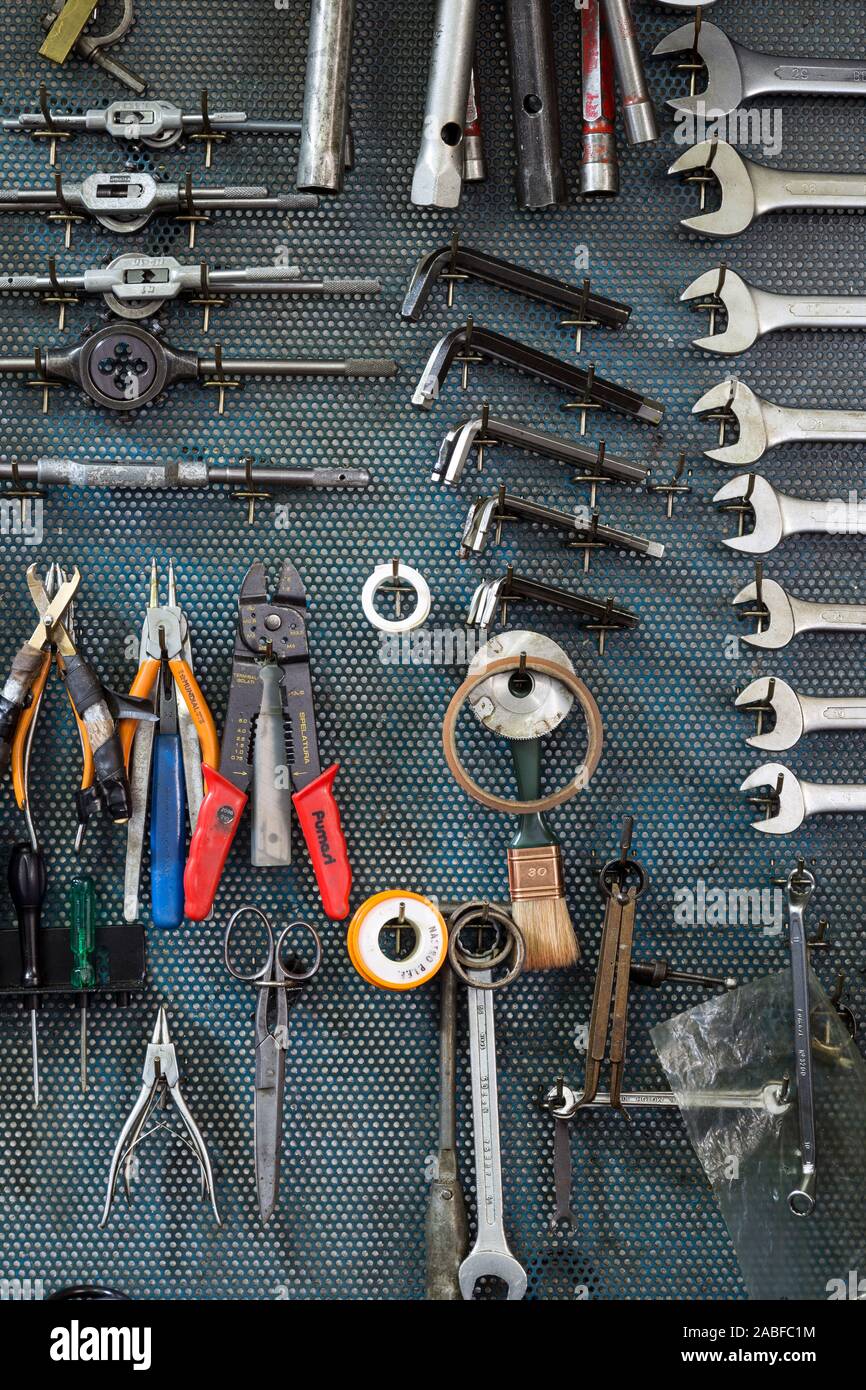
x=741 y=1042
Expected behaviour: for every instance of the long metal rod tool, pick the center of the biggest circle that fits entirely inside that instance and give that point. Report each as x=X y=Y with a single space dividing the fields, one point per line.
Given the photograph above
x=638 y=112
x=439 y=168
x=801 y=885
x=325 y=124
x=447 y=1229
x=535 y=104
x=599 y=168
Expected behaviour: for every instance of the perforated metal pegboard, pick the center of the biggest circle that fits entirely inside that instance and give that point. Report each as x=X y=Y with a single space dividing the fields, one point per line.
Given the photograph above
x=361 y=1105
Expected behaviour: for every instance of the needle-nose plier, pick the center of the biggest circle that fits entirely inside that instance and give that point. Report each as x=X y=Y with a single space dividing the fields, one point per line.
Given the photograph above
x=185 y=733
x=269 y=745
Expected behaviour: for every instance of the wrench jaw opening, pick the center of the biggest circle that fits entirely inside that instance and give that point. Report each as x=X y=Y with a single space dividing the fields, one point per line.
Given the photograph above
x=736 y=299
x=733 y=400
x=492 y=1264
x=777 y=697
x=780 y=627
x=738 y=208
x=801 y=1201
x=725 y=88
x=786 y=794
x=747 y=492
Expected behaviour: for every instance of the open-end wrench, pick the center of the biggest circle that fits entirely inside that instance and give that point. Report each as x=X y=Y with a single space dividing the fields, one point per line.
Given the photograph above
x=793 y=800
x=438 y=177
x=750 y=190
x=796 y=715
x=764 y=425
x=801 y=885
x=736 y=74
x=563 y=1101
x=777 y=515
x=786 y=617
x=753 y=312
x=491 y=1255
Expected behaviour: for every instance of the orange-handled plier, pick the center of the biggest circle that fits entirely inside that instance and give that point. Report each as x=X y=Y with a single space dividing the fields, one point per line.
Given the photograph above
x=164 y=640
x=26 y=726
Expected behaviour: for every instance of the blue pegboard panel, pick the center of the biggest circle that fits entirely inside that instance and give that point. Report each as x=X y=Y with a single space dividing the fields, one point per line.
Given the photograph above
x=360 y=1122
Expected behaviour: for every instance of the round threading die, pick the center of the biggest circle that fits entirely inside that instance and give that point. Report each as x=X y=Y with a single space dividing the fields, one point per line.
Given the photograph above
x=420 y=916
x=390 y=573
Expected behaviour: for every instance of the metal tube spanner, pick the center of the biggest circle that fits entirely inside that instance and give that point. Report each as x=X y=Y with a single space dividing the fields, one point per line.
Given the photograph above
x=438 y=178
x=750 y=190
x=765 y=426
x=753 y=313
x=736 y=74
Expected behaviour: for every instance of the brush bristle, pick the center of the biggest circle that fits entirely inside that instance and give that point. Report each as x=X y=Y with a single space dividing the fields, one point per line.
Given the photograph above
x=545 y=924
x=539 y=908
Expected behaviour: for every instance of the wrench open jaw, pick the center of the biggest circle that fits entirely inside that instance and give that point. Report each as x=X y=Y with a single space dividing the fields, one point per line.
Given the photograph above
x=792 y=800
x=738 y=300
x=749 y=412
x=750 y=490
x=777 y=515
x=780 y=621
x=787 y=793
x=727 y=84
x=783 y=702
x=736 y=177
x=735 y=73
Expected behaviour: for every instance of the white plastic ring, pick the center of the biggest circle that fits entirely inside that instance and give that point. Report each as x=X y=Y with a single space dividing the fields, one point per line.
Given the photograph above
x=427 y=954
x=381 y=574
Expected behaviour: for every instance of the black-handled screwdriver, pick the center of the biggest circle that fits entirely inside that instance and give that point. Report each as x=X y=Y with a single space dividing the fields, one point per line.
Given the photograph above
x=28 y=884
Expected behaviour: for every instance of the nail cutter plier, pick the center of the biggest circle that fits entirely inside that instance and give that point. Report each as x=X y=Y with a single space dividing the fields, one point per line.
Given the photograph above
x=270 y=741
x=164 y=642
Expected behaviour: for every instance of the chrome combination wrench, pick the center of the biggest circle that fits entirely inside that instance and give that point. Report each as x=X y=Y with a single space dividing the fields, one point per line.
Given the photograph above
x=491 y=1254
x=801 y=885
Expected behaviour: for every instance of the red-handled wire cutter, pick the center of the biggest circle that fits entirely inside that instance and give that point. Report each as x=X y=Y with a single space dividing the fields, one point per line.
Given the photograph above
x=270 y=750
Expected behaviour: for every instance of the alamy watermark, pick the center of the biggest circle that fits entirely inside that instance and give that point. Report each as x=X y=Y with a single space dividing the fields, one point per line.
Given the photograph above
x=431 y=646
x=701 y=906
x=22 y=517
x=760 y=129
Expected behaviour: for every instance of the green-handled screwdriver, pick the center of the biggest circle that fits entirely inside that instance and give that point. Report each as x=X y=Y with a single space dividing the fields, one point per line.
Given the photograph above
x=82 y=939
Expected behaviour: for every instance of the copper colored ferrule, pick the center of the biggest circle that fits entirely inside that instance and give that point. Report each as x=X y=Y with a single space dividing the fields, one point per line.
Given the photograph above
x=535 y=873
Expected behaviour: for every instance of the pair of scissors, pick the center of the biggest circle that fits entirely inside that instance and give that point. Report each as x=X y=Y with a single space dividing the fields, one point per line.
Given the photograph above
x=279 y=982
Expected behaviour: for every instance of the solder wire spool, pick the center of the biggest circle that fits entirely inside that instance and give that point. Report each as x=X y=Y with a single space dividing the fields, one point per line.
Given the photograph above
x=410 y=912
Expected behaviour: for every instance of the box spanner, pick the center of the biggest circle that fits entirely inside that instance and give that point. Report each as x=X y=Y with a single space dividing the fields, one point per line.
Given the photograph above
x=794 y=800
x=778 y=516
x=784 y=617
x=796 y=715
x=754 y=312
x=735 y=74
x=749 y=190
x=764 y=426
